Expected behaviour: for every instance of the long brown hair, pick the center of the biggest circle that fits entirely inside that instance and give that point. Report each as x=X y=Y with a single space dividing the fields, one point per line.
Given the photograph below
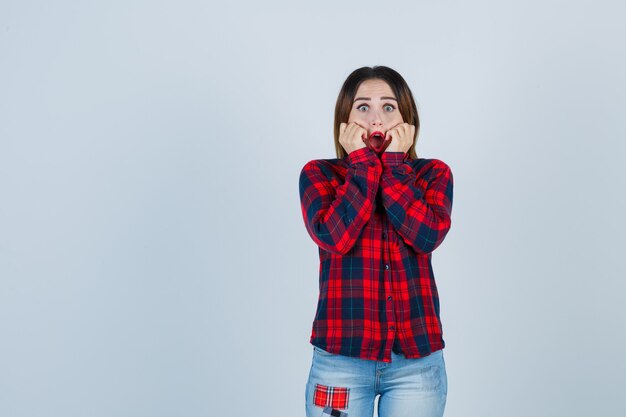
x=406 y=103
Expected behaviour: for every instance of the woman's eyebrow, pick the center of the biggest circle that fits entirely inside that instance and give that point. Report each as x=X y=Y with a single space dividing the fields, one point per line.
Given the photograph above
x=368 y=98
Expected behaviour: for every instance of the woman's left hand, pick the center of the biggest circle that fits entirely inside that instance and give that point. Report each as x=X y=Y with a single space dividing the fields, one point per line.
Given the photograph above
x=401 y=137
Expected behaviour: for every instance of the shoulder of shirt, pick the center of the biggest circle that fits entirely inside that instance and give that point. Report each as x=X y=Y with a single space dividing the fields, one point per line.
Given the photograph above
x=331 y=163
x=426 y=164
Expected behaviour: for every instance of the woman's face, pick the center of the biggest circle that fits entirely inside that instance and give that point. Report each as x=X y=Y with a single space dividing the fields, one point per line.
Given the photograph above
x=375 y=108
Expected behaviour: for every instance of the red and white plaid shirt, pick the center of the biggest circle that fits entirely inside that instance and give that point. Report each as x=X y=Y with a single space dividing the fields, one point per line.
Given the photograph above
x=376 y=222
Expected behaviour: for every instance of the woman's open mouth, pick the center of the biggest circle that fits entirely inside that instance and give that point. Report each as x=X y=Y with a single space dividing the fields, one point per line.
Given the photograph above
x=376 y=141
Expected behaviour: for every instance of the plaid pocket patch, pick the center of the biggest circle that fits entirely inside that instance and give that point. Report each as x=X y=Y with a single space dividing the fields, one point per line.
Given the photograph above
x=335 y=397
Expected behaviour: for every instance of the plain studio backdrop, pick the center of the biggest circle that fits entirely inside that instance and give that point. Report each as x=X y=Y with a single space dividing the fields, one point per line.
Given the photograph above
x=153 y=257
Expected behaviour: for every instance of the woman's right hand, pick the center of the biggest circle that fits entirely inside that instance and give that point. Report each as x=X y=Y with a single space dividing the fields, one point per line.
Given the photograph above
x=352 y=136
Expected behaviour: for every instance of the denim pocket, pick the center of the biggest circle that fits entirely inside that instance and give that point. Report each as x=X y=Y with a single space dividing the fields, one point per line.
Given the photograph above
x=322 y=352
x=432 y=375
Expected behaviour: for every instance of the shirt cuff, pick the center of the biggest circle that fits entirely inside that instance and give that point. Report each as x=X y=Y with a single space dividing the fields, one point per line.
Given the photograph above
x=362 y=155
x=391 y=159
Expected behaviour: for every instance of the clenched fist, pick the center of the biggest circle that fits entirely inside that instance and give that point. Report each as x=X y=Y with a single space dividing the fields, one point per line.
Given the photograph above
x=401 y=136
x=352 y=136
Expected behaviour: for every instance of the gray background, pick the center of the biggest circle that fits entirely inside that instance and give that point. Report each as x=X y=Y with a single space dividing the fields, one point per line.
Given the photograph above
x=153 y=258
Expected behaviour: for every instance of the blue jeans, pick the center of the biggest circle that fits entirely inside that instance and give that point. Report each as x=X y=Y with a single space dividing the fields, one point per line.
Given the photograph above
x=407 y=387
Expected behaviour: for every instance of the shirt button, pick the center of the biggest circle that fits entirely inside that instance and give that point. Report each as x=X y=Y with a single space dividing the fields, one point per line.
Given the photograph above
x=384 y=235
x=389 y=298
x=386 y=266
x=392 y=327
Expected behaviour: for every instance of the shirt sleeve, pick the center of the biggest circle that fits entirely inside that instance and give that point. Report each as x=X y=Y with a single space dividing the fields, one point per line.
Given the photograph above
x=419 y=208
x=335 y=212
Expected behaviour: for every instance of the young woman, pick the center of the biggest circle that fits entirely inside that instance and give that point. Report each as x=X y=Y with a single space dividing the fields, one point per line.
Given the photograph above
x=377 y=212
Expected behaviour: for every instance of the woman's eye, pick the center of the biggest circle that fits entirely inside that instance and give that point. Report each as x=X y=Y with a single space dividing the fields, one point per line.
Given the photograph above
x=389 y=107
x=362 y=107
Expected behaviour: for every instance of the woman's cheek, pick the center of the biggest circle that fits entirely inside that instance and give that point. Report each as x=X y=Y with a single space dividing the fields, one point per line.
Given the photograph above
x=390 y=121
x=397 y=119
x=355 y=117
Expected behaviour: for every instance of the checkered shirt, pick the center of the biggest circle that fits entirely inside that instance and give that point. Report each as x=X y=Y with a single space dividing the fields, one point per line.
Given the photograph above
x=376 y=222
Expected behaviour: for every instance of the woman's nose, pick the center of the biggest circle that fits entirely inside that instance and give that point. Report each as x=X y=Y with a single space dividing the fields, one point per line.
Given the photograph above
x=376 y=120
